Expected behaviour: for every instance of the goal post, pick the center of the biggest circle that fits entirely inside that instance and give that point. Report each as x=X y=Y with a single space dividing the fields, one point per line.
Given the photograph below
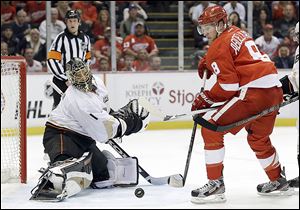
x=13 y=119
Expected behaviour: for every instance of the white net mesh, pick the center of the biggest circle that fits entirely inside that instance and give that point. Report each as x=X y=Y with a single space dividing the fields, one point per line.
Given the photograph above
x=10 y=121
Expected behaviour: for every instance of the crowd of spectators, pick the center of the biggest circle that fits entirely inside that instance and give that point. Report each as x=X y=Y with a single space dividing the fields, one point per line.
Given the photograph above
x=273 y=24
x=23 y=30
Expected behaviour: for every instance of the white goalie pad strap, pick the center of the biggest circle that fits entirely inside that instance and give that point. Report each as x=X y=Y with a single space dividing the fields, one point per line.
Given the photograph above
x=67 y=179
x=122 y=171
x=77 y=181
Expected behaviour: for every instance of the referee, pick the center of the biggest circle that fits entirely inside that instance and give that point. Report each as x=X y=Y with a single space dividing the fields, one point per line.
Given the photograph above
x=68 y=44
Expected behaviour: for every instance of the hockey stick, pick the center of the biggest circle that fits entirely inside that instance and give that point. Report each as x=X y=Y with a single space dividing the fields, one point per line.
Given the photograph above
x=156 y=112
x=221 y=128
x=155 y=181
x=189 y=154
x=150 y=179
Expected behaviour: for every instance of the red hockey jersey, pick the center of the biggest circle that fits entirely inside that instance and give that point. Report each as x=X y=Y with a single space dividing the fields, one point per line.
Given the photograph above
x=238 y=64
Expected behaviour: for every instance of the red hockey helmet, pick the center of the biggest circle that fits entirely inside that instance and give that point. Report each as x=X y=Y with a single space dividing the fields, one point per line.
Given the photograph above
x=213 y=14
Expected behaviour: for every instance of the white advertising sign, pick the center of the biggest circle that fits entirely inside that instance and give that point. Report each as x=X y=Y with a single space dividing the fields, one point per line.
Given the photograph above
x=173 y=92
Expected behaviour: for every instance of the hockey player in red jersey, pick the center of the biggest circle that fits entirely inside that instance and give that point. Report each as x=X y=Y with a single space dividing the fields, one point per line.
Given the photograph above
x=248 y=83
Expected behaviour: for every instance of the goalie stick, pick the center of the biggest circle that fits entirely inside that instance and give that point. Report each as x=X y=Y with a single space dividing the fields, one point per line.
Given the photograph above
x=157 y=112
x=177 y=178
x=150 y=179
x=221 y=128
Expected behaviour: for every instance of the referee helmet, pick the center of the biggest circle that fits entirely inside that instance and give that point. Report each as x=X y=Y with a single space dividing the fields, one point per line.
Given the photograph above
x=72 y=14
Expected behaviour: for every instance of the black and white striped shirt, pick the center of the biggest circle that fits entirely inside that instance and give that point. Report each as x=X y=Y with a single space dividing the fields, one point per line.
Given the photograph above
x=67 y=46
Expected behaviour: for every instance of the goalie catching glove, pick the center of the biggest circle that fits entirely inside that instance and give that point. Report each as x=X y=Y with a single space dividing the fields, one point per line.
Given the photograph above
x=132 y=117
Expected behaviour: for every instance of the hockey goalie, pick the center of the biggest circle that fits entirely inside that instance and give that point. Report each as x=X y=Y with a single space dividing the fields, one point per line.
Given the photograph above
x=83 y=117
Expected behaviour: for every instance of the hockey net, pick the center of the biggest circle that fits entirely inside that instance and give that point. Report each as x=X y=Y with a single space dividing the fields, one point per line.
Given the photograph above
x=13 y=119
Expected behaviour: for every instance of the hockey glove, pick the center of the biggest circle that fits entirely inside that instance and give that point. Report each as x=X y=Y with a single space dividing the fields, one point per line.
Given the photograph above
x=202 y=67
x=135 y=117
x=202 y=101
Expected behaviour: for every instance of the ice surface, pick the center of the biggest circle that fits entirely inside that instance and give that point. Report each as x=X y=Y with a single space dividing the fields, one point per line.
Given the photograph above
x=164 y=153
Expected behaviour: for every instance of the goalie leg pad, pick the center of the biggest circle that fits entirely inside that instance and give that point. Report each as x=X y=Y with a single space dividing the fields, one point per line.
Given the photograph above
x=64 y=179
x=122 y=171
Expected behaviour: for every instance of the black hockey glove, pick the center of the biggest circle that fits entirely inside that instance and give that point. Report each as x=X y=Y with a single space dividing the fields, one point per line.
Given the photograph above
x=135 y=117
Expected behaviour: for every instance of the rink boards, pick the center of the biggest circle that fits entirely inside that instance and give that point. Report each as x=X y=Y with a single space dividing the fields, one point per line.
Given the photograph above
x=172 y=91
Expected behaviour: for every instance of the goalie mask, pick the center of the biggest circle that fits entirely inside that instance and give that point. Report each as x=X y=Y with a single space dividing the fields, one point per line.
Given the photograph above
x=80 y=75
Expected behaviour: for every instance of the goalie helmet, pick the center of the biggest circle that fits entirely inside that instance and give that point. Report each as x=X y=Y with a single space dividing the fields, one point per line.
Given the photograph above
x=80 y=75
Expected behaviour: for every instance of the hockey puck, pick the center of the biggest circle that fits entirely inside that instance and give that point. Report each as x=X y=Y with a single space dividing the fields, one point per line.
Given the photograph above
x=139 y=192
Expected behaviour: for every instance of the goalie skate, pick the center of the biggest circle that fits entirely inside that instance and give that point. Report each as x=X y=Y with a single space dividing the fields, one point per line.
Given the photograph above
x=212 y=192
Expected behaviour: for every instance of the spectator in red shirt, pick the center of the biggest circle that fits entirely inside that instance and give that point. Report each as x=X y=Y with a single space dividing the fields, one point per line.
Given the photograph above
x=142 y=61
x=132 y=44
x=103 y=46
x=88 y=12
x=100 y=25
x=37 y=12
x=128 y=63
x=95 y=62
x=8 y=12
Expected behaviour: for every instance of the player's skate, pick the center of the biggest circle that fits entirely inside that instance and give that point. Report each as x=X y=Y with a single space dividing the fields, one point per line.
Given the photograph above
x=277 y=187
x=294 y=182
x=212 y=192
